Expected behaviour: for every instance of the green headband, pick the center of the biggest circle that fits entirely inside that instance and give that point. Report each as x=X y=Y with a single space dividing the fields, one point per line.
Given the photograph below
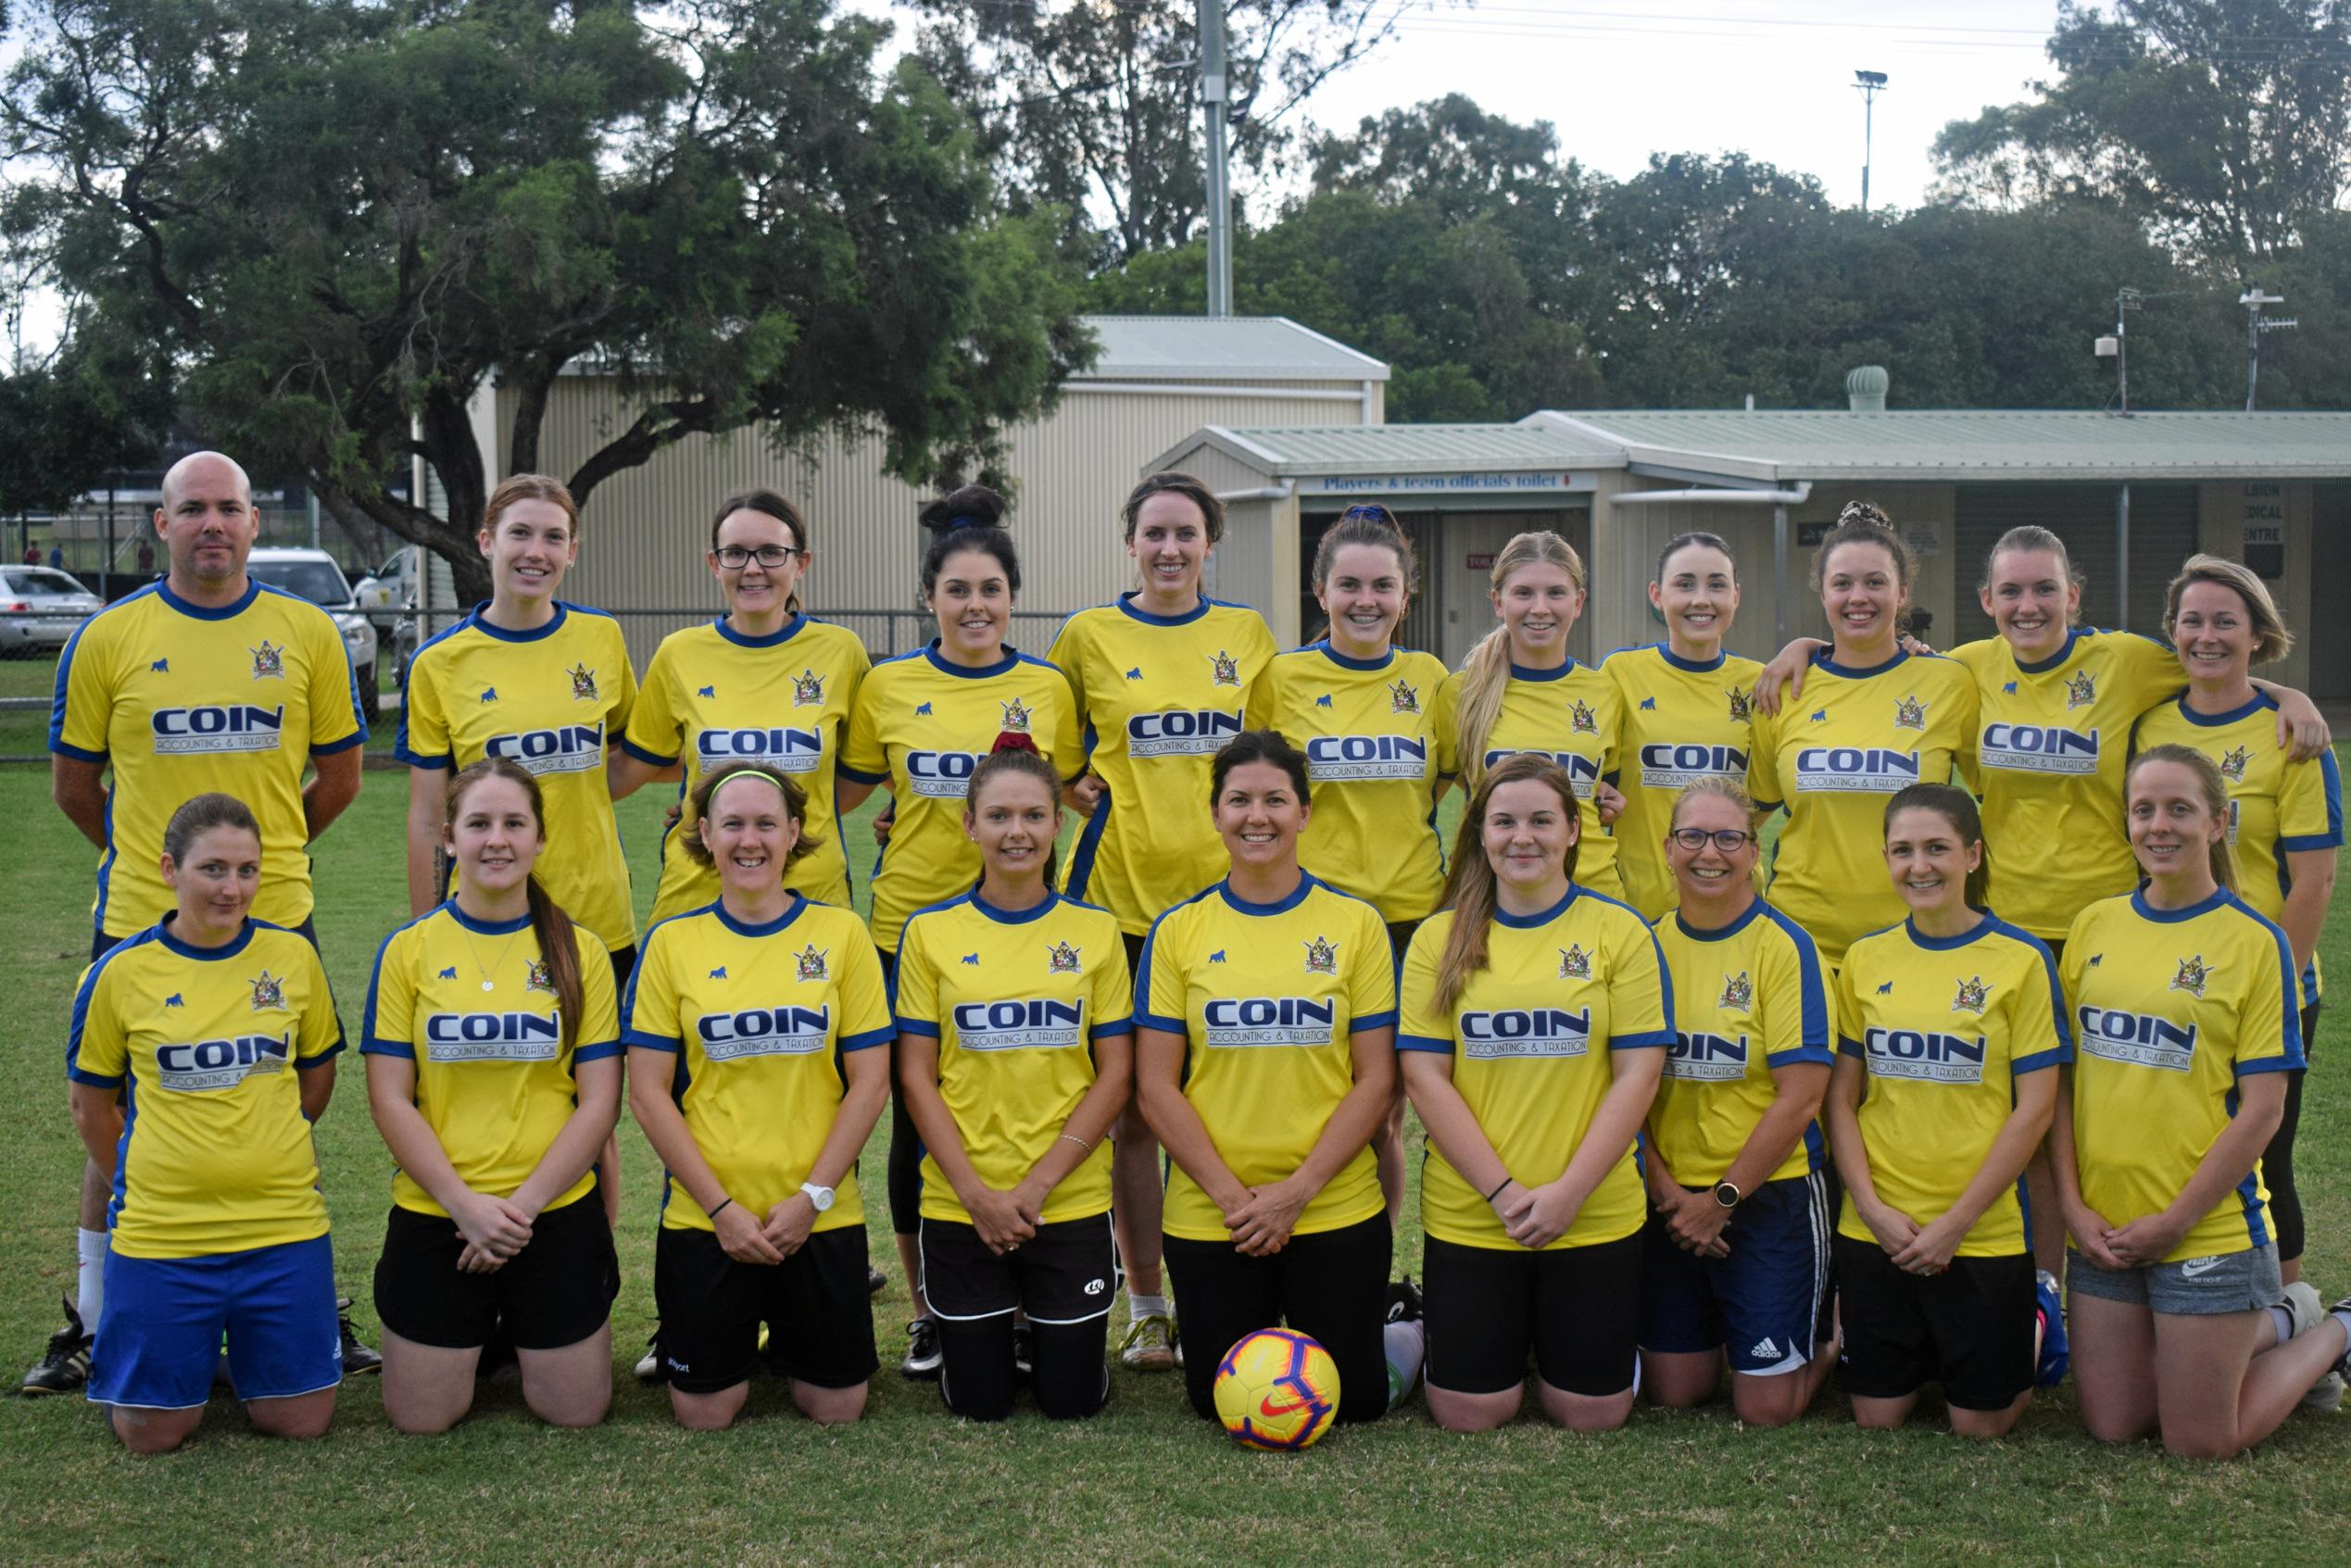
x=766 y=778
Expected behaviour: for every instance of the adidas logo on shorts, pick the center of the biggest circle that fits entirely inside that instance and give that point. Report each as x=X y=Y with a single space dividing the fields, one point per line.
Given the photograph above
x=1765 y=1350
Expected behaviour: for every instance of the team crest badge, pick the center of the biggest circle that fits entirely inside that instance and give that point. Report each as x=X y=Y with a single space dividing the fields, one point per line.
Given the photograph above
x=1743 y=705
x=1574 y=962
x=539 y=977
x=1738 y=991
x=1322 y=957
x=1224 y=670
x=1973 y=996
x=1582 y=720
x=2232 y=766
x=2082 y=690
x=268 y=661
x=582 y=683
x=269 y=993
x=811 y=962
x=2193 y=977
x=1403 y=698
x=807 y=689
x=1016 y=716
x=1060 y=958
x=1910 y=714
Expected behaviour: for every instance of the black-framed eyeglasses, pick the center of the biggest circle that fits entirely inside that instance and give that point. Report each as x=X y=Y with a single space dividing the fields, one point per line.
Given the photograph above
x=735 y=557
x=1727 y=840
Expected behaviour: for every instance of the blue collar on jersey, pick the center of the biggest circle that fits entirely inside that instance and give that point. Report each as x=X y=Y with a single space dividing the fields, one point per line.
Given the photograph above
x=1985 y=925
x=1825 y=660
x=200 y=613
x=1382 y=662
x=1003 y=916
x=745 y=928
x=969 y=672
x=791 y=629
x=2204 y=906
x=1297 y=896
x=480 y=621
x=486 y=927
x=1127 y=606
x=2042 y=666
x=1694 y=666
x=228 y=950
x=1747 y=916
x=1533 y=922
x=2214 y=721
x=1527 y=672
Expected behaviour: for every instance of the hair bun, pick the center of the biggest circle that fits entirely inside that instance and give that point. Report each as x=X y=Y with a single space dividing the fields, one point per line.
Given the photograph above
x=1015 y=740
x=973 y=506
x=1867 y=514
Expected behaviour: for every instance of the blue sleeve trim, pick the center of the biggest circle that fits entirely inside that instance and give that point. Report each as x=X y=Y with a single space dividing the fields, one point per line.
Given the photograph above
x=1848 y=1046
x=1115 y=1026
x=345 y=744
x=869 y=1039
x=415 y=759
x=62 y=750
x=1372 y=1020
x=95 y=1080
x=842 y=770
x=2311 y=841
x=400 y=1048
x=2056 y=1057
x=654 y=759
x=1648 y=1040
x=1810 y=1051
x=597 y=1052
x=635 y=1037
x=1424 y=1043
x=1165 y=1025
x=923 y=1027
x=304 y=1063
x=2289 y=1063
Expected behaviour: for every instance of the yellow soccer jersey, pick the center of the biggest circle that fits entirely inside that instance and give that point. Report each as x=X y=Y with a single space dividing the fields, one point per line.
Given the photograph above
x=2051 y=743
x=471 y=1004
x=1747 y=999
x=714 y=697
x=1573 y=714
x=1266 y=998
x=1160 y=696
x=2173 y=1008
x=180 y=701
x=1016 y=999
x=1946 y=1026
x=1683 y=720
x=2276 y=805
x=1533 y=1037
x=1376 y=745
x=759 y=1017
x=552 y=699
x=215 y=1155
x=921 y=725
x=1833 y=758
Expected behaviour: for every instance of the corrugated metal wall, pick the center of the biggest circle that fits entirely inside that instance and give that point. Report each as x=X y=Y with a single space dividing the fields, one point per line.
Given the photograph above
x=2163 y=533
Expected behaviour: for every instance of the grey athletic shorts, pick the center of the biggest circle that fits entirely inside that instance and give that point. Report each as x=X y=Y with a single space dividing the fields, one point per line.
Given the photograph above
x=2232 y=1282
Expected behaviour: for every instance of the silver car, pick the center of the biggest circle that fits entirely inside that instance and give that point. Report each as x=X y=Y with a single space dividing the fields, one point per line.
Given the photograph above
x=40 y=607
x=312 y=575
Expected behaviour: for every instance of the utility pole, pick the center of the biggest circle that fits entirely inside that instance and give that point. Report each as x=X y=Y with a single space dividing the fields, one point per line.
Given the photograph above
x=1868 y=84
x=1220 y=191
x=2117 y=348
x=2253 y=299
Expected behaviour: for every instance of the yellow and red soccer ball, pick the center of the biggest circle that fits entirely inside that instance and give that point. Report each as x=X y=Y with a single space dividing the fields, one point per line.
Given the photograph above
x=1277 y=1389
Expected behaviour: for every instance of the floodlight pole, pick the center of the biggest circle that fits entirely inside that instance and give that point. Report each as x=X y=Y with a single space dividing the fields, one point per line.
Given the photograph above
x=1869 y=83
x=1220 y=192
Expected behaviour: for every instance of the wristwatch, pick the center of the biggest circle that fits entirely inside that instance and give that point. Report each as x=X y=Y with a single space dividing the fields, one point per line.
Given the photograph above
x=1724 y=1194
x=821 y=1196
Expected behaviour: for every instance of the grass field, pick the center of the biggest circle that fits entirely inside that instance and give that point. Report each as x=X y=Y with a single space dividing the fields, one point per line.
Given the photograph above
x=1144 y=1484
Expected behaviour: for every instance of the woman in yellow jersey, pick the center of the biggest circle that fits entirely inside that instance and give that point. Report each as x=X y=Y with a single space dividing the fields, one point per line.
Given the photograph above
x=492 y=1046
x=1379 y=747
x=2184 y=997
x=1264 y=1062
x=921 y=722
x=1162 y=677
x=1873 y=719
x=2285 y=816
x=1735 y=1262
x=1520 y=690
x=1535 y=1021
x=201 y=1050
x=1016 y=1019
x=763 y=683
x=1947 y=1026
x=1687 y=710
x=751 y=1026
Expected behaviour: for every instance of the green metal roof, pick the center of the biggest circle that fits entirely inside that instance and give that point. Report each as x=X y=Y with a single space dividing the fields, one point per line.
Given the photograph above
x=1287 y=451
x=1221 y=348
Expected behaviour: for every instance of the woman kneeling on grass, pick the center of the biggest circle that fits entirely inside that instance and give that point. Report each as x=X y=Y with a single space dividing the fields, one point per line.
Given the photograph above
x=1015 y=1053
x=2185 y=997
x=220 y=1030
x=493 y=1048
x=751 y=1024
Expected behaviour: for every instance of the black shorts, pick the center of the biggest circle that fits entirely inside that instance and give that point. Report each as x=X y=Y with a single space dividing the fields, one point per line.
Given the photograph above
x=1063 y=1274
x=555 y=1292
x=1575 y=1309
x=1969 y=1328
x=1331 y=1285
x=819 y=1318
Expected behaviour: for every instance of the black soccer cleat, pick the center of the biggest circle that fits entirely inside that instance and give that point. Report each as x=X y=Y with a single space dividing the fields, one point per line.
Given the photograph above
x=65 y=1365
x=1404 y=1301
x=359 y=1359
x=921 y=1350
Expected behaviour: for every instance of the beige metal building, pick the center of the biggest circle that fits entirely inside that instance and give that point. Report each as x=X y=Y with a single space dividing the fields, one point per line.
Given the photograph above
x=1155 y=379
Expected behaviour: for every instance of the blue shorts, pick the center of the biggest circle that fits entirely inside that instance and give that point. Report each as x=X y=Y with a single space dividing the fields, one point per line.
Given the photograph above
x=160 y=1332
x=1762 y=1303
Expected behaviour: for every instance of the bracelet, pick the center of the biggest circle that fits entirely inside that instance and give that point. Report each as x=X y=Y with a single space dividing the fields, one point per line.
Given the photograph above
x=1079 y=1142
x=724 y=1202
x=1498 y=1187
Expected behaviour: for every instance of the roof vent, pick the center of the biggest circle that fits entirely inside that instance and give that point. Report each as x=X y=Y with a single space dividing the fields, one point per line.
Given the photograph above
x=1866 y=389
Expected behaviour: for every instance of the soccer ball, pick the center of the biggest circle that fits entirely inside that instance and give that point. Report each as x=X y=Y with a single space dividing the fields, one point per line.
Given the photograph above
x=1277 y=1389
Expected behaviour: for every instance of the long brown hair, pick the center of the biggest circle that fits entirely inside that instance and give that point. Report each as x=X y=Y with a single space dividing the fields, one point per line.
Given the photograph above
x=1865 y=522
x=1485 y=674
x=1959 y=808
x=1367 y=524
x=2210 y=784
x=557 y=944
x=1469 y=887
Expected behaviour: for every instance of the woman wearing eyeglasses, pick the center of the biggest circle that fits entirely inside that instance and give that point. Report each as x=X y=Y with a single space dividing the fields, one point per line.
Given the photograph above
x=761 y=683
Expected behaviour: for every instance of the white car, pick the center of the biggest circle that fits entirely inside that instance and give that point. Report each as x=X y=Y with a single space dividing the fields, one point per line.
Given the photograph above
x=312 y=575
x=42 y=608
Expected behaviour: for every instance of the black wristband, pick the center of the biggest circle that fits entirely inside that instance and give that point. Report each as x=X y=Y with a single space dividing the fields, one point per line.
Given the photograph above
x=1497 y=1192
x=724 y=1202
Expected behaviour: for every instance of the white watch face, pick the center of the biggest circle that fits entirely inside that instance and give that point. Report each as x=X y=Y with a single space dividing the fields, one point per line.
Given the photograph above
x=821 y=1196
